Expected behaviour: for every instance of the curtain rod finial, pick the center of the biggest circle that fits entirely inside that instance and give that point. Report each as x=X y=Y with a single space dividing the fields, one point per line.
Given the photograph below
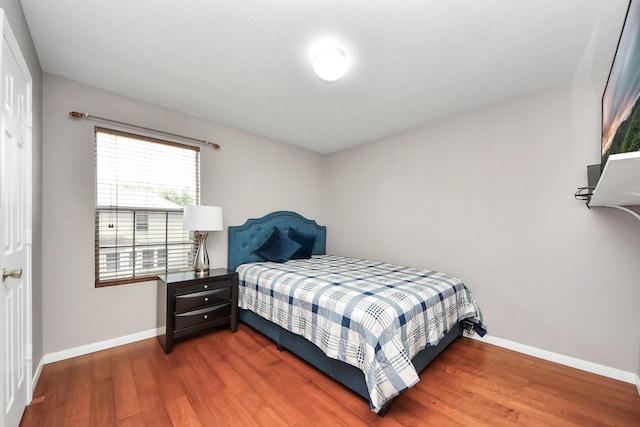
x=78 y=115
x=213 y=145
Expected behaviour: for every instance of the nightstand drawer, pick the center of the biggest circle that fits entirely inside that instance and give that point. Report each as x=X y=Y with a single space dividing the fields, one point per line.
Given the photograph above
x=201 y=299
x=203 y=287
x=204 y=315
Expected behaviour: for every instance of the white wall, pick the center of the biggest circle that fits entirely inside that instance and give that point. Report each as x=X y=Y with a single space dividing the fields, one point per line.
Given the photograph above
x=488 y=196
x=249 y=176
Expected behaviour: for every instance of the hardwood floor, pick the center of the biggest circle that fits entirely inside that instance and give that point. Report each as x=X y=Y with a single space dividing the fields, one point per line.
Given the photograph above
x=225 y=379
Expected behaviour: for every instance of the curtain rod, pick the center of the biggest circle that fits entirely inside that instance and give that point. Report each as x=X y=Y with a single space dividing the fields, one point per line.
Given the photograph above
x=78 y=115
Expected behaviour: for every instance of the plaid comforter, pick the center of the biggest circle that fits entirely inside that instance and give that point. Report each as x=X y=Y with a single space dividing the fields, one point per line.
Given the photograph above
x=372 y=315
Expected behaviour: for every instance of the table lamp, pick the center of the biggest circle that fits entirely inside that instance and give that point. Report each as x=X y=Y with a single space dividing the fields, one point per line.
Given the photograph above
x=202 y=220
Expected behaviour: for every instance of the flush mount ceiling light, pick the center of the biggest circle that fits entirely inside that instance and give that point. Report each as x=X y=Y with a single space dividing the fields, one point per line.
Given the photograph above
x=330 y=63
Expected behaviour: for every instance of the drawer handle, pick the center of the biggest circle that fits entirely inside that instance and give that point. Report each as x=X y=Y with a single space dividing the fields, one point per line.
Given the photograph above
x=206 y=299
x=206 y=316
x=206 y=286
x=202 y=311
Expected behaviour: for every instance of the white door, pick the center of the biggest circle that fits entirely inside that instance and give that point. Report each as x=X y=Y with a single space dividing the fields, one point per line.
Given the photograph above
x=15 y=230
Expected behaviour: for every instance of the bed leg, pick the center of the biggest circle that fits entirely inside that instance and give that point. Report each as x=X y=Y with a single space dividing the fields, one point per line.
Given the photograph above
x=280 y=347
x=385 y=408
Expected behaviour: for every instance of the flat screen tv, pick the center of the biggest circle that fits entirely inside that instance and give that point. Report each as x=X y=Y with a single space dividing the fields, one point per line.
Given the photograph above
x=621 y=98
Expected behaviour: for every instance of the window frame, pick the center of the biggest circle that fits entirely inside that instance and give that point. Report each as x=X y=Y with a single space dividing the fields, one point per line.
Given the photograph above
x=135 y=257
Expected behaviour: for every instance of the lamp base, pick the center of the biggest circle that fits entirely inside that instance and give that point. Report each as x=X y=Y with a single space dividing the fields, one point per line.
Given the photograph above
x=201 y=260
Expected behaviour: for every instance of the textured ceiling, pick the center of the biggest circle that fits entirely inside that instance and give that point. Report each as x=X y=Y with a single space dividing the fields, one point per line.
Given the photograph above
x=247 y=64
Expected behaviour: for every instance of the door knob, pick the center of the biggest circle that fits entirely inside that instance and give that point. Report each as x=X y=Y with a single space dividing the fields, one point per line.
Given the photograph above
x=15 y=274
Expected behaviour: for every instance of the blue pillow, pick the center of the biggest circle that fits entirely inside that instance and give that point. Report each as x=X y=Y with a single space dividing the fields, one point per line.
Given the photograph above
x=306 y=242
x=278 y=247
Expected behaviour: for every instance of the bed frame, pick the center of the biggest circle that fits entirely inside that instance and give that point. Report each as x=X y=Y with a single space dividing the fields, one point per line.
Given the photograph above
x=244 y=239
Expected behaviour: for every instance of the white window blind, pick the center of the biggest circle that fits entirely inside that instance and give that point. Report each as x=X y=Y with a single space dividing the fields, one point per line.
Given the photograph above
x=142 y=185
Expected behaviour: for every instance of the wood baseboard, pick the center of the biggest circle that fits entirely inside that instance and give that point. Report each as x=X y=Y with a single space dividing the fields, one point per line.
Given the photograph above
x=97 y=346
x=36 y=377
x=583 y=365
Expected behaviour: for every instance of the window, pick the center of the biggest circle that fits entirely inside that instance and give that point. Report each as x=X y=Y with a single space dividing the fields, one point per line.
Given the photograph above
x=112 y=261
x=162 y=257
x=142 y=222
x=142 y=185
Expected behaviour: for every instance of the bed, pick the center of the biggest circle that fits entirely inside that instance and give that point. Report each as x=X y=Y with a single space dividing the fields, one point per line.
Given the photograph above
x=371 y=326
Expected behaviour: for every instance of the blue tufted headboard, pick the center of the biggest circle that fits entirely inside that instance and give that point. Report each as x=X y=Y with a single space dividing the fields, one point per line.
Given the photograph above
x=245 y=238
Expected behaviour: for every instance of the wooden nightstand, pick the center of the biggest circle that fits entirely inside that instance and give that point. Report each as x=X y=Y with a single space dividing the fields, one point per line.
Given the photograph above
x=189 y=303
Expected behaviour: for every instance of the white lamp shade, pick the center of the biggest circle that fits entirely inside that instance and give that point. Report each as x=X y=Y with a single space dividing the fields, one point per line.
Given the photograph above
x=202 y=218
